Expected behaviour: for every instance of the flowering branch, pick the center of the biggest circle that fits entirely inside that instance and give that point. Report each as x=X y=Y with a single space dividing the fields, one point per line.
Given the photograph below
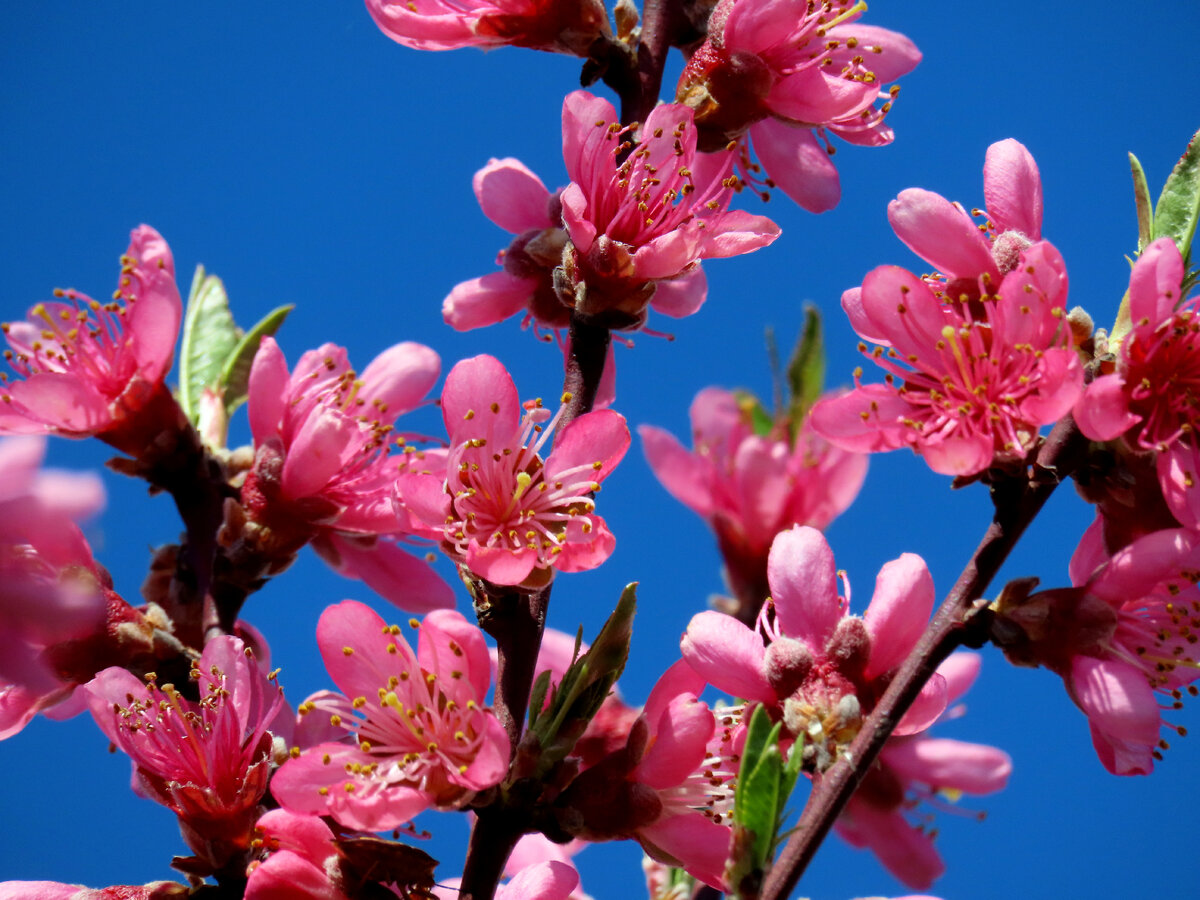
x=1017 y=503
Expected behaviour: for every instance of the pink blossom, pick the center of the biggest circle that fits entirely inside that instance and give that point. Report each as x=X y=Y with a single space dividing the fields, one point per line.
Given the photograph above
x=560 y=26
x=301 y=859
x=1150 y=401
x=1122 y=639
x=670 y=787
x=750 y=487
x=208 y=759
x=645 y=213
x=506 y=513
x=819 y=667
x=781 y=75
x=322 y=469
x=89 y=368
x=54 y=890
x=421 y=735
x=978 y=356
x=915 y=768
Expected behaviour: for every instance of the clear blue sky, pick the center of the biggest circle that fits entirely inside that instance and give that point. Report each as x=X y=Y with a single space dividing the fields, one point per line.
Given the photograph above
x=305 y=158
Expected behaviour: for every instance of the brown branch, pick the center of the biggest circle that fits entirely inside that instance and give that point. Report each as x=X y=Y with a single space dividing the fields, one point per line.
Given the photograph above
x=1017 y=503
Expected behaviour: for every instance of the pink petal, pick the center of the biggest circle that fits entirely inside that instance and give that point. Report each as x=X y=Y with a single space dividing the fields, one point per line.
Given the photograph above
x=966 y=454
x=960 y=671
x=803 y=580
x=941 y=233
x=399 y=378
x=580 y=228
x=18 y=706
x=810 y=97
x=926 y=709
x=1102 y=412
x=583 y=551
x=396 y=575
x=763 y=484
x=449 y=643
x=152 y=321
x=716 y=421
x=681 y=736
x=1117 y=699
x=490 y=764
x=686 y=476
x=308 y=835
x=549 y=880
x=20 y=458
x=1122 y=757
x=1091 y=553
x=267 y=391
x=355 y=626
x=324 y=444
x=598 y=437
x=425 y=497
x=512 y=196
x=943 y=763
x=906 y=852
x=680 y=678
x=736 y=232
x=74 y=495
x=798 y=164
x=1137 y=569
x=487 y=300
x=1179 y=477
x=479 y=398
x=899 y=55
x=864 y=420
x=1012 y=189
x=62 y=402
x=680 y=296
x=699 y=844
x=499 y=565
x=580 y=114
x=728 y=655
x=1060 y=382
x=898 y=613
x=286 y=875
x=1154 y=283
x=903 y=308
x=864 y=327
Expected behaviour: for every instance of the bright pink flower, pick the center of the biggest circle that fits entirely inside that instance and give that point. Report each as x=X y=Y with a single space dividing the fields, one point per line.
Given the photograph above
x=671 y=786
x=750 y=487
x=1121 y=639
x=322 y=469
x=422 y=737
x=301 y=859
x=780 y=74
x=208 y=759
x=915 y=768
x=821 y=668
x=645 y=213
x=978 y=356
x=506 y=513
x=1150 y=401
x=90 y=368
x=560 y=26
x=54 y=890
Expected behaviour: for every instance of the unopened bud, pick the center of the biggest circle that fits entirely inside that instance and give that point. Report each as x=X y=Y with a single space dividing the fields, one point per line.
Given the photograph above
x=785 y=665
x=849 y=646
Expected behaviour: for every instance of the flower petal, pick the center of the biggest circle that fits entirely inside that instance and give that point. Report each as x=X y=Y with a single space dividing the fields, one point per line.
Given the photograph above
x=512 y=196
x=803 y=580
x=898 y=612
x=728 y=655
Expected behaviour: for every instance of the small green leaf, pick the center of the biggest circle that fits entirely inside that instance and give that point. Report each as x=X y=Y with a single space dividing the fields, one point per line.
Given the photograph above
x=235 y=374
x=209 y=336
x=806 y=370
x=756 y=414
x=1179 y=203
x=537 y=695
x=1141 y=197
x=757 y=797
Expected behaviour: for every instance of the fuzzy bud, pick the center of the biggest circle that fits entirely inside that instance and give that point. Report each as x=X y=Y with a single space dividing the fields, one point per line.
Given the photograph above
x=849 y=646
x=785 y=665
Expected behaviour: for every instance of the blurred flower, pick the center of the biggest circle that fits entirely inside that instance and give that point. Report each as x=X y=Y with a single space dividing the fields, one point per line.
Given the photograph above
x=747 y=486
x=208 y=759
x=977 y=356
x=91 y=368
x=819 y=667
x=422 y=736
x=1150 y=401
x=781 y=74
x=560 y=26
x=915 y=768
x=54 y=890
x=322 y=470
x=506 y=513
x=642 y=215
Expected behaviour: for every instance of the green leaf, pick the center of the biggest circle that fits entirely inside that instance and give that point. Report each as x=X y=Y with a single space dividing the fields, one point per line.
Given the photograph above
x=757 y=417
x=757 y=800
x=1179 y=203
x=235 y=374
x=806 y=370
x=209 y=336
x=1141 y=197
x=537 y=695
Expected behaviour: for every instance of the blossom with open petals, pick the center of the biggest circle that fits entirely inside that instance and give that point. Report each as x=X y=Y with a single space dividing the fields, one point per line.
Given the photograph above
x=918 y=767
x=1152 y=401
x=507 y=513
x=422 y=736
x=750 y=487
x=93 y=368
x=821 y=668
x=670 y=787
x=643 y=209
x=322 y=469
x=560 y=26
x=1122 y=639
x=780 y=75
x=207 y=759
x=977 y=356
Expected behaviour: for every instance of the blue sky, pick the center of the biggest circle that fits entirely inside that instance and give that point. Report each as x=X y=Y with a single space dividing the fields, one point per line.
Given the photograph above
x=304 y=158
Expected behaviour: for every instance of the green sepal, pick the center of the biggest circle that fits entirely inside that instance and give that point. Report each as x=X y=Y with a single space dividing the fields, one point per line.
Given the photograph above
x=1141 y=197
x=806 y=370
x=537 y=695
x=235 y=374
x=209 y=336
x=1179 y=203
